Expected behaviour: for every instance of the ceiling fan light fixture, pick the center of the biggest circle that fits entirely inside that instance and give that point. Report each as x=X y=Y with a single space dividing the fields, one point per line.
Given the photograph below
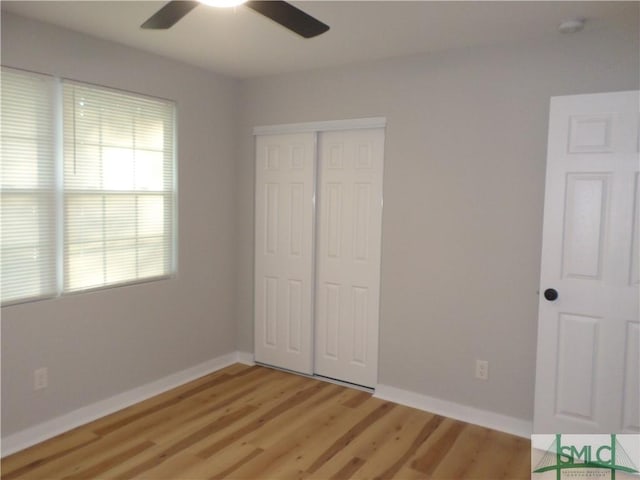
x=223 y=3
x=280 y=11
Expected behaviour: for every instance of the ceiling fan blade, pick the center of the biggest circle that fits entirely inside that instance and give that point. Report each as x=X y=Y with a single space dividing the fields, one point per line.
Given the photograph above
x=289 y=17
x=169 y=15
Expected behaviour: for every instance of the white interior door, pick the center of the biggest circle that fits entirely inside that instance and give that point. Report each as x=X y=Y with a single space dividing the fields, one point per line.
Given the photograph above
x=285 y=189
x=587 y=376
x=348 y=254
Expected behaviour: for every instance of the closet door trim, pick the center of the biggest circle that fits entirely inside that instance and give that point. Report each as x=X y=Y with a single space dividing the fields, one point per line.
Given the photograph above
x=324 y=126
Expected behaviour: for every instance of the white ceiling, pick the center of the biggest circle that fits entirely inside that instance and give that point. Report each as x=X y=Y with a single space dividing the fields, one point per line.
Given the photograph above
x=241 y=43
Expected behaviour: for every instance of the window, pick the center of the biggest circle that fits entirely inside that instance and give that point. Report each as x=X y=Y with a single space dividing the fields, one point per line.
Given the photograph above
x=118 y=187
x=106 y=199
x=28 y=181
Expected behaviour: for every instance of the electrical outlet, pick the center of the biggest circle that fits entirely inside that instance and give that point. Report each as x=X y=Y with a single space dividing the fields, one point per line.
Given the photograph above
x=482 y=369
x=40 y=378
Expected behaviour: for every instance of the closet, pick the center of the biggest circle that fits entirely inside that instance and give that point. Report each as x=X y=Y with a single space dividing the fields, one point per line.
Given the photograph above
x=317 y=248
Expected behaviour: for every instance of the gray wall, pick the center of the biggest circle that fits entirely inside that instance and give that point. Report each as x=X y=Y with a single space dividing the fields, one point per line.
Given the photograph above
x=463 y=199
x=99 y=344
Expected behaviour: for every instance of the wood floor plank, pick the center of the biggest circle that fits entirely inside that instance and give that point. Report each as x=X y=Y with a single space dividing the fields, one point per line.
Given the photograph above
x=462 y=454
x=438 y=446
x=166 y=399
x=399 y=447
x=494 y=458
x=428 y=428
x=349 y=469
x=274 y=412
x=187 y=424
x=365 y=446
x=296 y=451
x=93 y=452
x=250 y=416
x=183 y=419
x=350 y=434
x=270 y=395
x=357 y=399
x=259 y=423
x=408 y=473
x=520 y=464
x=227 y=472
x=96 y=468
x=185 y=442
x=186 y=399
x=172 y=469
x=312 y=416
x=15 y=465
x=286 y=439
x=222 y=463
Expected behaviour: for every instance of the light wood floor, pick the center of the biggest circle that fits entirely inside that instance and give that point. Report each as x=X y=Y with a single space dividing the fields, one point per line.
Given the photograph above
x=257 y=423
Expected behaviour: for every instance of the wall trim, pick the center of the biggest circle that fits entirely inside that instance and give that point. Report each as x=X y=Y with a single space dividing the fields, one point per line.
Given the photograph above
x=50 y=428
x=246 y=358
x=484 y=418
x=324 y=126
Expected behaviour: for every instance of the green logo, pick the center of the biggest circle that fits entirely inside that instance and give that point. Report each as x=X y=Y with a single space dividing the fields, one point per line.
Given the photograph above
x=588 y=456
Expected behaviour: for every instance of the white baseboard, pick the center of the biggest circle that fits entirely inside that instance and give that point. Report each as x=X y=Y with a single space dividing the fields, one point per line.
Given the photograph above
x=45 y=430
x=246 y=358
x=484 y=418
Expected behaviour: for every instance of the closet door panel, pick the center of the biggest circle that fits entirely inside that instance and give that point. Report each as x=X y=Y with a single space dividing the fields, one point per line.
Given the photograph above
x=283 y=290
x=348 y=254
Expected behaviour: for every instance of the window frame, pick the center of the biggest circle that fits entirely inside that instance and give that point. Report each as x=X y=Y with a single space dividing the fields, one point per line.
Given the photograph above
x=60 y=193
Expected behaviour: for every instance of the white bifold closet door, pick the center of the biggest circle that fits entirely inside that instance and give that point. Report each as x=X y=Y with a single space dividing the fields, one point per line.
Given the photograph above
x=317 y=277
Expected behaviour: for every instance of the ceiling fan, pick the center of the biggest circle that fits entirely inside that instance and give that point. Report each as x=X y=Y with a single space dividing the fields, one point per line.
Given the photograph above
x=279 y=11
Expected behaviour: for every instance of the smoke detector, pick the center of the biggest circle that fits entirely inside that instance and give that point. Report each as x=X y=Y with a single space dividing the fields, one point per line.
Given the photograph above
x=571 y=26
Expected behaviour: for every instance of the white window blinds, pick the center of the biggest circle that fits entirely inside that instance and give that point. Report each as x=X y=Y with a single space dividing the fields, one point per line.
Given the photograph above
x=118 y=187
x=28 y=186
x=87 y=184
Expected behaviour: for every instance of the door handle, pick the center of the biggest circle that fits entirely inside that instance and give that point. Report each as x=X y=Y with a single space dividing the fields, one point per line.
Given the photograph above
x=551 y=294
